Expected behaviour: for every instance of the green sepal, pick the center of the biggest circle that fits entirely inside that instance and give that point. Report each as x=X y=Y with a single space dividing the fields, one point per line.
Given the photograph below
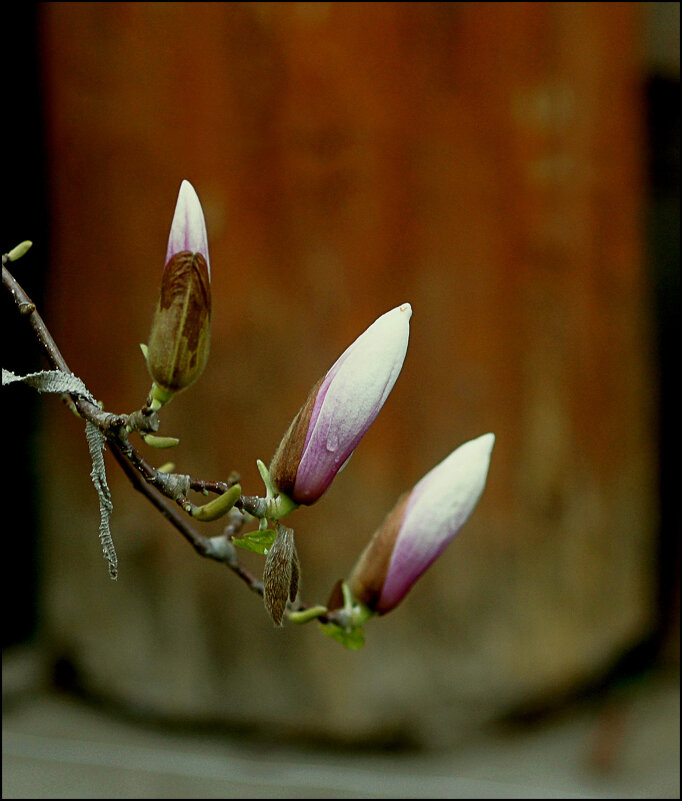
x=280 y=506
x=158 y=396
x=160 y=442
x=265 y=475
x=306 y=615
x=353 y=639
x=257 y=541
x=219 y=506
x=19 y=250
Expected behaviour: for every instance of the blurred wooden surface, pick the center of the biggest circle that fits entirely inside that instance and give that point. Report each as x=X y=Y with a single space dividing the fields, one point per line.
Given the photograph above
x=481 y=161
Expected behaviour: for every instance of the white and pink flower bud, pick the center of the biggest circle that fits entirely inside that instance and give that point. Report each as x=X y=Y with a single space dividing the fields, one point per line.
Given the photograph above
x=179 y=340
x=420 y=526
x=340 y=408
x=188 y=229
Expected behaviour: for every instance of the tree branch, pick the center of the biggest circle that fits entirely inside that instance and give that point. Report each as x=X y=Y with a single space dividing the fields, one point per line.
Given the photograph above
x=150 y=482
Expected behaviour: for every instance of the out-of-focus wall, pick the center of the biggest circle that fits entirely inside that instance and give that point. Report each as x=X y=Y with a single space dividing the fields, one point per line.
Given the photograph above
x=482 y=161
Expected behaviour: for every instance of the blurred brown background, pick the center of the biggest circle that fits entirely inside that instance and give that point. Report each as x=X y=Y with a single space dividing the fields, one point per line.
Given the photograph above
x=486 y=162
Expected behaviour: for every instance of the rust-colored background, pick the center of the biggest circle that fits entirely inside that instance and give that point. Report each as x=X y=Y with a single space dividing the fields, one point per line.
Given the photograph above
x=482 y=161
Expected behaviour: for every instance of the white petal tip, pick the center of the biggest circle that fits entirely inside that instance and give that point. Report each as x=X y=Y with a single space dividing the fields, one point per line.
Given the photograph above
x=187 y=188
x=188 y=199
x=188 y=229
x=479 y=448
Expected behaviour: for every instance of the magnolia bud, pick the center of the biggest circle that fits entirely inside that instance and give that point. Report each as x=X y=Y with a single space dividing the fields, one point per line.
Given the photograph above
x=180 y=335
x=340 y=408
x=420 y=526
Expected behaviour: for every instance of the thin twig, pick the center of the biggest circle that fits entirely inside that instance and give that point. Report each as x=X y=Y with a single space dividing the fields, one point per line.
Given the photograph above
x=150 y=482
x=89 y=411
x=201 y=544
x=144 y=478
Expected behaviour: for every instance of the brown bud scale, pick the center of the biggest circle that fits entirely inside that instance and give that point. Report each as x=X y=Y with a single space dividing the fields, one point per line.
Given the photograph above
x=281 y=575
x=367 y=579
x=180 y=335
x=284 y=464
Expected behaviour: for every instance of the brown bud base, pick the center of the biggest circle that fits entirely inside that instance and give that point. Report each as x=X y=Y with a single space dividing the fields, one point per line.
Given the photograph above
x=367 y=579
x=180 y=334
x=284 y=464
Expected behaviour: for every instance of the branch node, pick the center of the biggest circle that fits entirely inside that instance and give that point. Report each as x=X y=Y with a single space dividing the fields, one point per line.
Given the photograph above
x=26 y=308
x=173 y=485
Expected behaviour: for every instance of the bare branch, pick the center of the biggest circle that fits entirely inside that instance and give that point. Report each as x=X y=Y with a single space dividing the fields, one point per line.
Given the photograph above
x=152 y=483
x=155 y=485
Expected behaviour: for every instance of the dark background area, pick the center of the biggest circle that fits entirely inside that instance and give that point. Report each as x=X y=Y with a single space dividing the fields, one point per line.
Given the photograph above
x=25 y=218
